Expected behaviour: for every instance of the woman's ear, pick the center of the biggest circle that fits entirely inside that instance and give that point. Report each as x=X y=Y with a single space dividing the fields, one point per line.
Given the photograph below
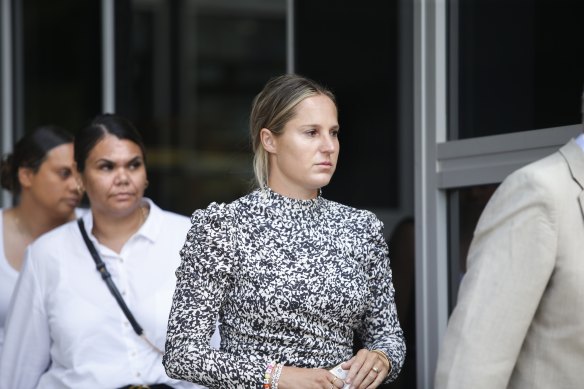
x=25 y=177
x=268 y=140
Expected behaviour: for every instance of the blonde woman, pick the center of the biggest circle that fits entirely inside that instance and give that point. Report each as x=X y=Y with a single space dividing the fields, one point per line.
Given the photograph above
x=291 y=276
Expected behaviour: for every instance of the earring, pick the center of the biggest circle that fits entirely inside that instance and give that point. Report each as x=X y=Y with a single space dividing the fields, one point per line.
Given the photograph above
x=80 y=189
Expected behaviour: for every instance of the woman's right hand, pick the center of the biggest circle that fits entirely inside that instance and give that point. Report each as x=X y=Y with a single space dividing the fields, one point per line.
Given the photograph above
x=305 y=378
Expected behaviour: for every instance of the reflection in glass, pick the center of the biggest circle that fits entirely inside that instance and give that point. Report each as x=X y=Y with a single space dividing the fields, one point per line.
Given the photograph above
x=189 y=72
x=509 y=72
x=58 y=61
x=353 y=49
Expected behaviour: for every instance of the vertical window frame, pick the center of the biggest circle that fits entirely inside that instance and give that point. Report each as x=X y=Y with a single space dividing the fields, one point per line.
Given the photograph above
x=443 y=165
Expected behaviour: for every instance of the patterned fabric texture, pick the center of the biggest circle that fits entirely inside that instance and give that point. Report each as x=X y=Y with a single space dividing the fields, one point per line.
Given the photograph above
x=289 y=280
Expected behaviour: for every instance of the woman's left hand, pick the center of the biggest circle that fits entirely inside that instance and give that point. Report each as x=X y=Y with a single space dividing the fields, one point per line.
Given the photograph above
x=367 y=370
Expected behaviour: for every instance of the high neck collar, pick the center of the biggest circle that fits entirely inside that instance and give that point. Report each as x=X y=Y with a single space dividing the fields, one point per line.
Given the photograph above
x=281 y=201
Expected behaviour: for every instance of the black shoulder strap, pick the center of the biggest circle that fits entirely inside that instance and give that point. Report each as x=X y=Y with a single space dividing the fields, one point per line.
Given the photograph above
x=108 y=279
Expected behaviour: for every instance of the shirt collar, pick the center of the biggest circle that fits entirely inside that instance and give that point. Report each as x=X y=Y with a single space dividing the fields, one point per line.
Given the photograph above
x=149 y=229
x=152 y=225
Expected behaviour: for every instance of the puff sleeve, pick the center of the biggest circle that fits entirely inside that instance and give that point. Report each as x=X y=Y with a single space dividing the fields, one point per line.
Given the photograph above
x=208 y=262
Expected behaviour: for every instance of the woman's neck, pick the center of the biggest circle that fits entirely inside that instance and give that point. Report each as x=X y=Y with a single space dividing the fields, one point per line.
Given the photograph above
x=292 y=192
x=22 y=225
x=32 y=220
x=114 y=231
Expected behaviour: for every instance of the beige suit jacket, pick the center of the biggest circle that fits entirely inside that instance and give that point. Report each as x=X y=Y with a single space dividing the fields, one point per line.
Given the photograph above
x=519 y=319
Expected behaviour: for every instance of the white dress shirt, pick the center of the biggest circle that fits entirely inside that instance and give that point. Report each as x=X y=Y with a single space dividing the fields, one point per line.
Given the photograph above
x=8 y=277
x=66 y=330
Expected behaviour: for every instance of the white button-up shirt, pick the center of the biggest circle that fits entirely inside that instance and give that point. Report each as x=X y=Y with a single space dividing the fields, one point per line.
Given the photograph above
x=66 y=330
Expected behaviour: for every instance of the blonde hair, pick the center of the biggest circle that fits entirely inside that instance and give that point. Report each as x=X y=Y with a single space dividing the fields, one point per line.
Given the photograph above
x=272 y=108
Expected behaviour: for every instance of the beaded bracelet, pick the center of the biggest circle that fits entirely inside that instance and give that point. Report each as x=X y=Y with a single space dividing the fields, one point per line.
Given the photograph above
x=268 y=375
x=276 y=375
x=384 y=357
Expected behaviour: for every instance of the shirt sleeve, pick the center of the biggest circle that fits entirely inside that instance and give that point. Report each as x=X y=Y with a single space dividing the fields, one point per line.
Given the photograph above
x=203 y=278
x=381 y=329
x=510 y=262
x=26 y=351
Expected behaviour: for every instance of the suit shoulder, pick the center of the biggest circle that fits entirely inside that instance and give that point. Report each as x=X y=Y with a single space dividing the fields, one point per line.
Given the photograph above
x=549 y=174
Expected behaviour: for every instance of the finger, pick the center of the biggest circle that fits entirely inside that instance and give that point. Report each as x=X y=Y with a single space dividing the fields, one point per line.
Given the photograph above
x=369 y=379
x=375 y=377
x=347 y=365
x=378 y=380
x=382 y=372
x=376 y=383
x=357 y=363
x=367 y=374
x=337 y=382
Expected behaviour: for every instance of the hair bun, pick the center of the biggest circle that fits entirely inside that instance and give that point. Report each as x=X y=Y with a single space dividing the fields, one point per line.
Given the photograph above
x=6 y=176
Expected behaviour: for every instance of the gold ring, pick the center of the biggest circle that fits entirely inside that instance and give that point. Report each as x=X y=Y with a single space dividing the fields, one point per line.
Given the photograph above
x=334 y=379
x=332 y=387
x=375 y=369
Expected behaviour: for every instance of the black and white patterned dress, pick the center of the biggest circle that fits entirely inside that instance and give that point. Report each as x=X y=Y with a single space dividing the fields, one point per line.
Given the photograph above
x=290 y=281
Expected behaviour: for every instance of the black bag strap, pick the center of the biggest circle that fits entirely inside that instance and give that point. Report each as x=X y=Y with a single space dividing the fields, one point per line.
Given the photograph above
x=102 y=269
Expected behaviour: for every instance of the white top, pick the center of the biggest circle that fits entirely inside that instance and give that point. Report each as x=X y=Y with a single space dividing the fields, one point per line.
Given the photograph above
x=9 y=276
x=580 y=141
x=66 y=330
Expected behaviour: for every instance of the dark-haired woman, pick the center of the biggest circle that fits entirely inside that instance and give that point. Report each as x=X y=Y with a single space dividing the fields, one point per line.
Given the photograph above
x=40 y=174
x=66 y=329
